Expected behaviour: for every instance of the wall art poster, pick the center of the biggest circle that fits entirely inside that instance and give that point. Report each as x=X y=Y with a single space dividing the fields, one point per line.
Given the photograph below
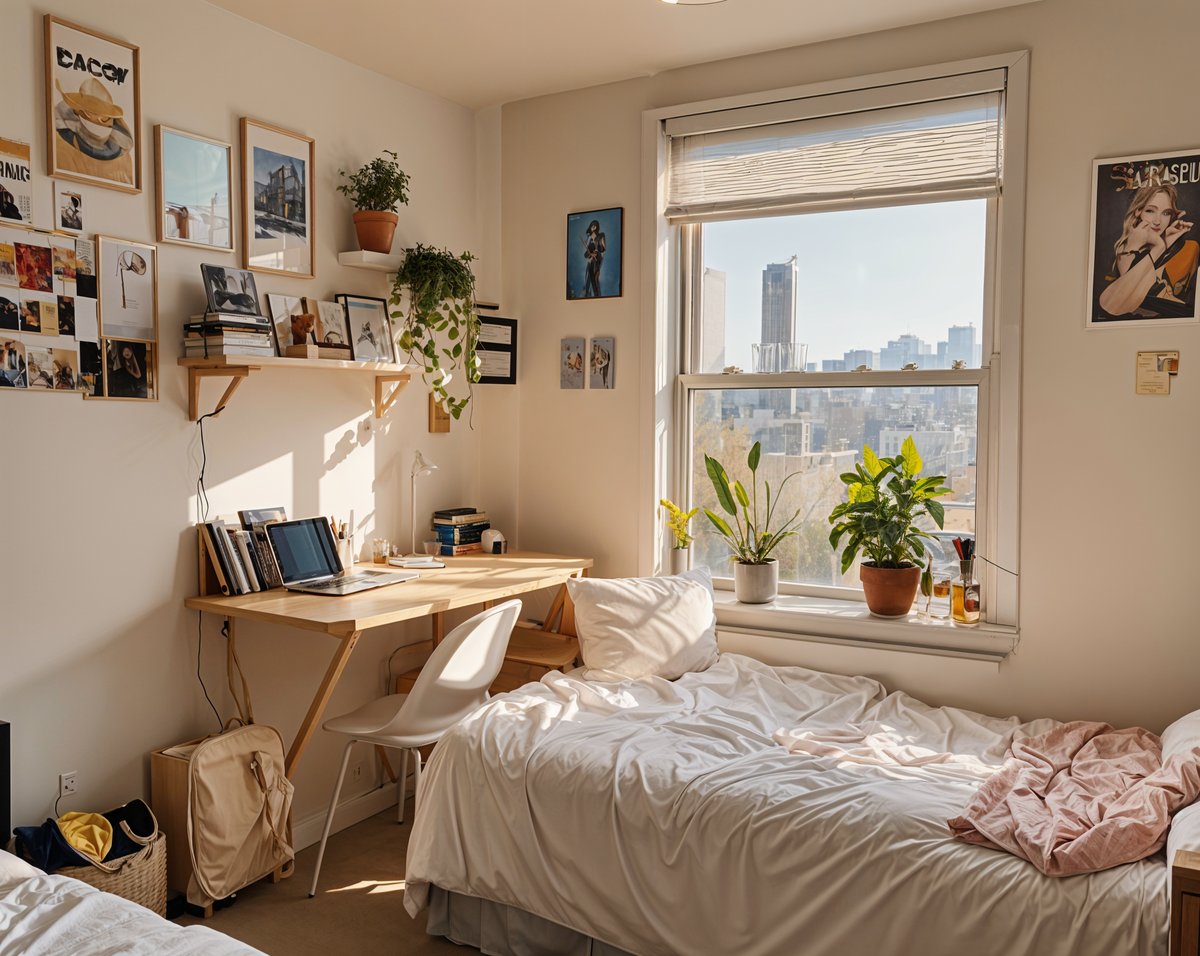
x=594 y=253
x=12 y=364
x=129 y=370
x=69 y=205
x=16 y=182
x=1145 y=247
x=128 y=289
x=194 y=176
x=277 y=169
x=603 y=361
x=570 y=363
x=93 y=107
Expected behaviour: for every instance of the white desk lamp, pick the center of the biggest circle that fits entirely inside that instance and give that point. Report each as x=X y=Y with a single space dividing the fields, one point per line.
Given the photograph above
x=419 y=467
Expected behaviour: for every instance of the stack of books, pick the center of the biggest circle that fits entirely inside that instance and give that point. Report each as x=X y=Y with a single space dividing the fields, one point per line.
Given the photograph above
x=460 y=530
x=220 y=333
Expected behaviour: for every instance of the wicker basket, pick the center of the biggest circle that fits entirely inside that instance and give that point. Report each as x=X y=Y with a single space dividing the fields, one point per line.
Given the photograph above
x=140 y=877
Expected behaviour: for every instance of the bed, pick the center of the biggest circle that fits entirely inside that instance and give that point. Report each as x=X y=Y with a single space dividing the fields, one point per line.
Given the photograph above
x=49 y=915
x=663 y=817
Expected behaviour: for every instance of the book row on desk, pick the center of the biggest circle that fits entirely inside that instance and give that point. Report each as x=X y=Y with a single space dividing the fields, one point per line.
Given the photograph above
x=461 y=534
x=455 y=517
x=241 y=558
x=451 y=550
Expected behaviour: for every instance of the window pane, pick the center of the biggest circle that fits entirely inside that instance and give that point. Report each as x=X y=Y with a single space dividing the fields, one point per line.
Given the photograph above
x=819 y=433
x=875 y=287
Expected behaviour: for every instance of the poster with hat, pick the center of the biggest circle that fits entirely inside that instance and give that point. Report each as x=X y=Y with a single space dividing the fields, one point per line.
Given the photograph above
x=93 y=107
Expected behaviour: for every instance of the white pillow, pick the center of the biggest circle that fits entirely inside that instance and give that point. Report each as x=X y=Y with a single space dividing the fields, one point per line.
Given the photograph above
x=645 y=627
x=13 y=869
x=1183 y=735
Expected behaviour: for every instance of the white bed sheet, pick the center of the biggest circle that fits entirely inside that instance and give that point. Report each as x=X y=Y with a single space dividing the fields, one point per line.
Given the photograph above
x=49 y=915
x=663 y=818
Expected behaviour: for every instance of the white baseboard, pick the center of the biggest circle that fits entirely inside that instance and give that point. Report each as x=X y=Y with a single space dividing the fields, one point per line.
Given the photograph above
x=307 y=832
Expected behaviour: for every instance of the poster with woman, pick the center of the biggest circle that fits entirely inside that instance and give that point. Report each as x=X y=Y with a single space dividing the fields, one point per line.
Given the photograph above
x=594 y=253
x=93 y=107
x=1145 y=247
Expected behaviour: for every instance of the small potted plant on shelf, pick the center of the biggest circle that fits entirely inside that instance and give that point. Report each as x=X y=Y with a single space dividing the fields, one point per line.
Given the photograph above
x=886 y=497
x=376 y=190
x=754 y=534
x=681 y=540
x=439 y=328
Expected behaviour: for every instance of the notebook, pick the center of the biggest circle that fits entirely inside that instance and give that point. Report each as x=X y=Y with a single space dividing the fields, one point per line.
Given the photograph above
x=308 y=561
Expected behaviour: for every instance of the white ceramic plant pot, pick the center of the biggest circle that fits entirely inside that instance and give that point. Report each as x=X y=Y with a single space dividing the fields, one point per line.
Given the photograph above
x=756 y=583
x=679 y=560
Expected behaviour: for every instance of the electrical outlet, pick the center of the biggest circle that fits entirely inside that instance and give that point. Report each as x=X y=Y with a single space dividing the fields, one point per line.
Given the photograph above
x=356 y=772
x=67 y=783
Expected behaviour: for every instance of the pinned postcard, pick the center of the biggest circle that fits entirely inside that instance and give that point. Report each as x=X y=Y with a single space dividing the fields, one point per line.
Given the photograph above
x=1154 y=371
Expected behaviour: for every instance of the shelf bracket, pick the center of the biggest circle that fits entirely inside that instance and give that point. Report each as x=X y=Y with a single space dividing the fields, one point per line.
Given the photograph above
x=195 y=375
x=384 y=401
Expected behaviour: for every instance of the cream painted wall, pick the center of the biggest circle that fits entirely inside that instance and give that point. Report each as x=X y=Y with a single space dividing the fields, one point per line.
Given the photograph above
x=99 y=655
x=1107 y=534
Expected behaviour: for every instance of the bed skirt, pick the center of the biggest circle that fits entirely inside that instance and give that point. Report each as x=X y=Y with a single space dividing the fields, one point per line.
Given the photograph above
x=499 y=930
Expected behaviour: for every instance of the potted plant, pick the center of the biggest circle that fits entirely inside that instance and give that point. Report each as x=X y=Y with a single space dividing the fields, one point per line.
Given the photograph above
x=376 y=190
x=439 y=329
x=886 y=497
x=681 y=540
x=753 y=535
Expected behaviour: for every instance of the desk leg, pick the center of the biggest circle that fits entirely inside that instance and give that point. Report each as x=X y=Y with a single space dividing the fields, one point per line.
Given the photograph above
x=317 y=707
x=439 y=627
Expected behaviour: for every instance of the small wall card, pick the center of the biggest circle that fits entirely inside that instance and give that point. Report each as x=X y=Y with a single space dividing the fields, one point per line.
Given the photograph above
x=603 y=362
x=1154 y=372
x=497 y=351
x=570 y=363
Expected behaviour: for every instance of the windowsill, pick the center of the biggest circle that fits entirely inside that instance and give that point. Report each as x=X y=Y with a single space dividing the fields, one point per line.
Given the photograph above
x=849 y=623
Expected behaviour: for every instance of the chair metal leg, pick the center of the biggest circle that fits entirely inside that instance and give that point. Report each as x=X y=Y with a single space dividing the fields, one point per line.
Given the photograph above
x=416 y=781
x=402 y=783
x=337 y=791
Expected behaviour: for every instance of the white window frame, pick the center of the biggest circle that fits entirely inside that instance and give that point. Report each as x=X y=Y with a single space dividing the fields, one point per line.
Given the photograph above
x=665 y=420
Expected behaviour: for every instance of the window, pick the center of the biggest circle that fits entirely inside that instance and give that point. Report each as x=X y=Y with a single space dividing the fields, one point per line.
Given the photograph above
x=839 y=259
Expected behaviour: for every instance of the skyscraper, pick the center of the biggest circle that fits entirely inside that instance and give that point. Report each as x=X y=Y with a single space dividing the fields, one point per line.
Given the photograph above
x=960 y=345
x=779 y=301
x=712 y=321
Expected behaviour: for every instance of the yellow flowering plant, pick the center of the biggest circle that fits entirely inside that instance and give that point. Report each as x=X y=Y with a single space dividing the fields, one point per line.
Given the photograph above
x=677 y=522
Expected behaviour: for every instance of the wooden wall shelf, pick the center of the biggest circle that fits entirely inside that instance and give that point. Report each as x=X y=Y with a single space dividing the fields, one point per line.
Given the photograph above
x=378 y=261
x=389 y=377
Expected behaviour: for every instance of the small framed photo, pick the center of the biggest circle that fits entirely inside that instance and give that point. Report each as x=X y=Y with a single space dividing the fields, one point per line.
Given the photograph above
x=594 y=242
x=230 y=291
x=370 y=328
x=1145 y=245
x=129 y=369
x=277 y=194
x=93 y=107
x=603 y=363
x=293 y=326
x=128 y=289
x=570 y=363
x=496 y=347
x=333 y=328
x=194 y=180
x=68 y=208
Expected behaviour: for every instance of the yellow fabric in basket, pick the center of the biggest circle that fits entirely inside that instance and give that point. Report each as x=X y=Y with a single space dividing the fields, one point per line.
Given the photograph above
x=89 y=833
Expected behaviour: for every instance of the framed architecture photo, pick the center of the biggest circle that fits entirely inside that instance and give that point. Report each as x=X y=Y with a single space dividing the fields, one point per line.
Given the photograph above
x=128 y=289
x=1145 y=244
x=194 y=182
x=370 y=328
x=93 y=107
x=594 y=242
x=277 y=196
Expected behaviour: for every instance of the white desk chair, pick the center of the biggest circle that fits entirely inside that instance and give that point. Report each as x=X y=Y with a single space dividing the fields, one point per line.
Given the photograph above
x=453 y=682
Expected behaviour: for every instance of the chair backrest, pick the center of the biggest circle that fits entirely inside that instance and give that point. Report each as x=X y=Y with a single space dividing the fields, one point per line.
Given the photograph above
x=456 y=678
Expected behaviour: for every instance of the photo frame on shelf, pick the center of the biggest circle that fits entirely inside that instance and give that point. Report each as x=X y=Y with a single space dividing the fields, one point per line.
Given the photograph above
x=370 y=328
x=130 y=370
x=278 y=199
x=93 y=107
x=1145 y=251
x=496 y=347
x=293 y=326
x=193 y=177
x=594 y=253
x=128 y=289
x=230 y=291
x=333 y=328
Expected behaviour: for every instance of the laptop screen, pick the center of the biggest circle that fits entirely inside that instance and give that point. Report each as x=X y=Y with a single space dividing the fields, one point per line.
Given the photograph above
x=304 y=549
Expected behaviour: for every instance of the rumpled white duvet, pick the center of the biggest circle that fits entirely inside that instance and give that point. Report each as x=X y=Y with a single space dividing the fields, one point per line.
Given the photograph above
x=753 y=810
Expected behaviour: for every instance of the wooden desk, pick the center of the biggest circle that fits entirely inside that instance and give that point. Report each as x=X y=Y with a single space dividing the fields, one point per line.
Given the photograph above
x=466 y=581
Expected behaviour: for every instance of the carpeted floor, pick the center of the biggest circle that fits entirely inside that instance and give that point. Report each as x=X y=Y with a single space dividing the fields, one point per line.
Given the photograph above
x=359 y=906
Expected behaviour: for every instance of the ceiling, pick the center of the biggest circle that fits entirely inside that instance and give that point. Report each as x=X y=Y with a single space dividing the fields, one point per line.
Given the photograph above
x=483 y=52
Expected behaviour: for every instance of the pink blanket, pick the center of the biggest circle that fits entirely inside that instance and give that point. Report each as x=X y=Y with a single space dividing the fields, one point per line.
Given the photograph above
x=1081 y=798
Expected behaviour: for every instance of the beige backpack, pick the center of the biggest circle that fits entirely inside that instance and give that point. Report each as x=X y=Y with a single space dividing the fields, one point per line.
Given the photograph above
x=238 y=806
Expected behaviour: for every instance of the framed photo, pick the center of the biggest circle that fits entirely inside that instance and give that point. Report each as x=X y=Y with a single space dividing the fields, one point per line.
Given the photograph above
x=602 y=360
x=230 y=291
x=68 y=208
x=570 y=363
x=93 y=107
x=496 y=348
x=293 y=326
x=16 y=183
x=1145 y=246
x=333 y=328
x=194 y=179
x=129 y=369
x=594 y=244
x=277 y=194
x=128 y=289
x=370 y=328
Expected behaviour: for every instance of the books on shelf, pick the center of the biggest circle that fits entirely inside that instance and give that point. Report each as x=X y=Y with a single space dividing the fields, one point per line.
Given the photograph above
x=451 y=550
x=237 y=320
x=241 y=558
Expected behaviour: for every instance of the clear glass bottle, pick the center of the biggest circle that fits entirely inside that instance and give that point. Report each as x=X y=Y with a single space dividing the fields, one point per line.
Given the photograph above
x=964 y=595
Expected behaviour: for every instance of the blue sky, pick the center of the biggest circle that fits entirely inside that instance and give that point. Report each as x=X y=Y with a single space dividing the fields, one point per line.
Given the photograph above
x=193 y=172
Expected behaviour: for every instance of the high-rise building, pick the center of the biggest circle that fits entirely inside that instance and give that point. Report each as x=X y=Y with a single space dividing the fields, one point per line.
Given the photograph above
x=899 y=352
x=961 y=346
x=779 y=281
x=712 y=321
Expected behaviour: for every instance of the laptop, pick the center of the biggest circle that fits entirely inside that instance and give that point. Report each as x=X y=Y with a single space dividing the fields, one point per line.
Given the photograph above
x=308 y=561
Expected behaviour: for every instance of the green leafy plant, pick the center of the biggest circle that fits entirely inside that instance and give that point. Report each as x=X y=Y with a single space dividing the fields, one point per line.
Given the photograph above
x=379 y=186
x=885 y=499
x=750 y=538
x=440 y=289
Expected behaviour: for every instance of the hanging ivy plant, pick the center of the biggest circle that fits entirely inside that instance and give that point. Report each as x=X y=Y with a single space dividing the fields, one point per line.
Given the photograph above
x=439 y=329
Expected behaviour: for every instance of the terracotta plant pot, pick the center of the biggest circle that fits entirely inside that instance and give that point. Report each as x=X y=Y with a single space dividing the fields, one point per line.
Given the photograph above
x=375 y=230
x=756 y=583
x=890 y=592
